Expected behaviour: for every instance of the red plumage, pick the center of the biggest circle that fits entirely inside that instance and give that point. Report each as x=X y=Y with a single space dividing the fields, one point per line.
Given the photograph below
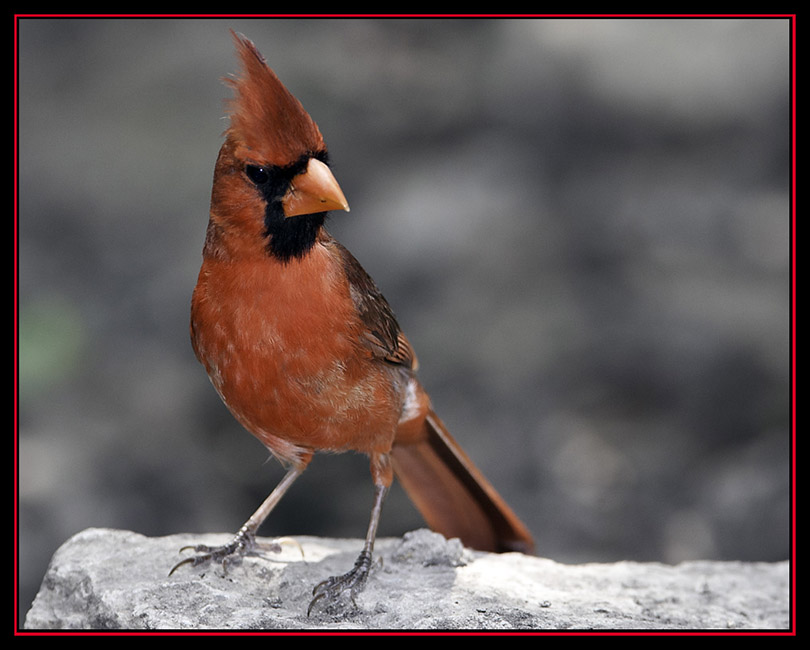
x=301 y=345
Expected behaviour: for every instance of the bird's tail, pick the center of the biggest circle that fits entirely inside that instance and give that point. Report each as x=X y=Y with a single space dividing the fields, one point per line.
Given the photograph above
x=452 y=494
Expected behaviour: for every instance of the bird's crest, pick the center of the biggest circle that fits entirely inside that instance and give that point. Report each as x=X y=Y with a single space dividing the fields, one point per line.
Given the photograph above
x=265 y=117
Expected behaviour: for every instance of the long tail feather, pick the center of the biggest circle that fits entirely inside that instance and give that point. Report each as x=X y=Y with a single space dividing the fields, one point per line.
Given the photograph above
x=453 y=495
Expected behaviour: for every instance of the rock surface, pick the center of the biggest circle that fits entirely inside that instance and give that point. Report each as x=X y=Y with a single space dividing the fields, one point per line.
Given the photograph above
x=113 y=579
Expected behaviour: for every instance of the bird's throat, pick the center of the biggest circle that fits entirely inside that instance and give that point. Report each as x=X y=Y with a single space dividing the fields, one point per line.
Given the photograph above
x=292 y=237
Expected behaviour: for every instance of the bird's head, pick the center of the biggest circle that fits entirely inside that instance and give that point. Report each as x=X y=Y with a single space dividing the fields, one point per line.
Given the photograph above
x=272 y=184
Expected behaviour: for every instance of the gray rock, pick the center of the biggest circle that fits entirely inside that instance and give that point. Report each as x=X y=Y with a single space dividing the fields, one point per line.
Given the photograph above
x=112 y=579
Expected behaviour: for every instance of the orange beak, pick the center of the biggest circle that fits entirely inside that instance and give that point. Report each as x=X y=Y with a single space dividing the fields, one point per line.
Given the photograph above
x=314 y=190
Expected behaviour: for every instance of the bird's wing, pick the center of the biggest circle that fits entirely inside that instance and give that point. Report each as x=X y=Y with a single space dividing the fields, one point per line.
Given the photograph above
x=382 y=334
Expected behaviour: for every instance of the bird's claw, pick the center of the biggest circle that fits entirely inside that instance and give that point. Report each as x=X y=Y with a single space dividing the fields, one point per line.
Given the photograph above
x=242 y=544
x=330 y=590
x=275 y=545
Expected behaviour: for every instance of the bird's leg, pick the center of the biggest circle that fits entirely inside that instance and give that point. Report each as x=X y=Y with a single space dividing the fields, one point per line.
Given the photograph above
x=353 y=581
x=330 y=589
x=245 y=540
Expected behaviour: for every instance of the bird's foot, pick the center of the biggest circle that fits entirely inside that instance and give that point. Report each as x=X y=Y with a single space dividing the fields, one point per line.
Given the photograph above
x=330 y=590
x=243 y=543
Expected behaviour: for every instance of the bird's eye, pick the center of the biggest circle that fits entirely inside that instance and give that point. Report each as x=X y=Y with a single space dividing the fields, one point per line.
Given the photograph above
x=257 y=174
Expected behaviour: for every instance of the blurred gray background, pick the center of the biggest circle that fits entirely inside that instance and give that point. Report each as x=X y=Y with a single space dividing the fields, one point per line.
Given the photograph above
x=583 y=226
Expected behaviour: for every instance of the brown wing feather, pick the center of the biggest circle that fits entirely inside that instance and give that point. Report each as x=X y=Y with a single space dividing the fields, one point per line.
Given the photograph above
x=383 y=335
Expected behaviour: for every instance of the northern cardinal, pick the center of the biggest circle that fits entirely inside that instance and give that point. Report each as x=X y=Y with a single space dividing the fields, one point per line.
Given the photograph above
x=301 y=345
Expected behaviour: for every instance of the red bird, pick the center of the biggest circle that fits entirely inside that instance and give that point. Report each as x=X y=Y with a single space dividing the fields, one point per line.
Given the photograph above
x=301 y=345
